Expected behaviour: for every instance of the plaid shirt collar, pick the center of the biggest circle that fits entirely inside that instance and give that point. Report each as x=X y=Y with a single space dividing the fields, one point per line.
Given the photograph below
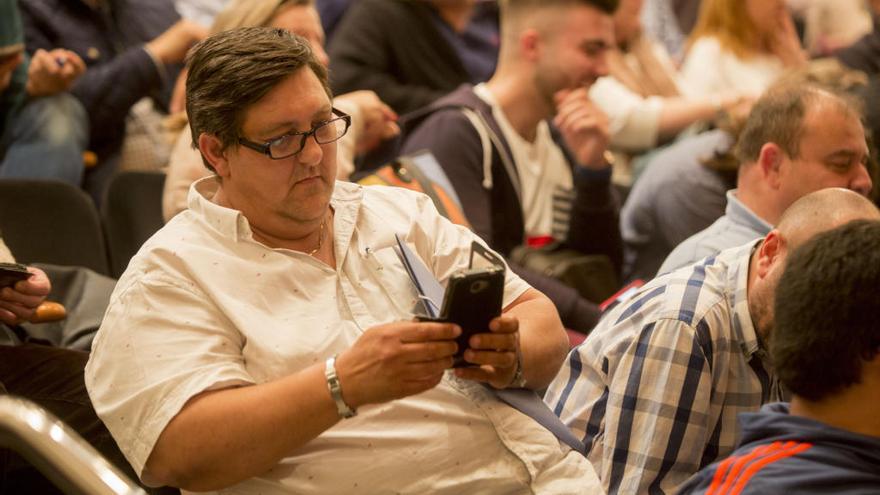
x=737 y=298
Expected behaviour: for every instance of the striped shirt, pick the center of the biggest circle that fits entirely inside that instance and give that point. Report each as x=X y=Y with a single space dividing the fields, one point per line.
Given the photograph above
x=655 y=390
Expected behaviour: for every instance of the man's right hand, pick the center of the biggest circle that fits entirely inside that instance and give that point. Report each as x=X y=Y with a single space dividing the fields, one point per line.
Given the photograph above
x=171 y=46
x=396 y=360
x=583 y=126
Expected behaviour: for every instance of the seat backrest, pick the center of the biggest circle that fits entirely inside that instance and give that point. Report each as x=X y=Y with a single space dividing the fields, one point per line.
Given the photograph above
x=51 y=222
x=131 y=213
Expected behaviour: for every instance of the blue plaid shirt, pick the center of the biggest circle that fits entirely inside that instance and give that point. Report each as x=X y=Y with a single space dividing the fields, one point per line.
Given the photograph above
x=655 y=389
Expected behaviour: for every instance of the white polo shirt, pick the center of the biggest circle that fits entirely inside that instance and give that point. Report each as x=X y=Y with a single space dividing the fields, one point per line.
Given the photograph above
x=204 y=306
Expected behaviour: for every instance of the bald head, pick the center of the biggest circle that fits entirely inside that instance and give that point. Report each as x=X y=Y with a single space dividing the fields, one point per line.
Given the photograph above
x=810 y=215
x=823 y=210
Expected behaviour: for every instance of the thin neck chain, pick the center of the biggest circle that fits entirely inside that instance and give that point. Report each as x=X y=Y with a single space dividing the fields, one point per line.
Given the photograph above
x=320 y=237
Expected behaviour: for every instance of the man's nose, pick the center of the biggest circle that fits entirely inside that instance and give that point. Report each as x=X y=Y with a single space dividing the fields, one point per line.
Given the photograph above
x=312 y=152
x=861 y=181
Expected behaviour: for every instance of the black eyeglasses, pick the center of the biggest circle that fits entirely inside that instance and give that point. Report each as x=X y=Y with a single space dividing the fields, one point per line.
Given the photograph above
x=293 y=142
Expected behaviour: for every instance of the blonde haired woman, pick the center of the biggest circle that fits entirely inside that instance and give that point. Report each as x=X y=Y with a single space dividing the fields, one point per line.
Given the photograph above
x=372 y=120
x=740 y=46
x=642 y=93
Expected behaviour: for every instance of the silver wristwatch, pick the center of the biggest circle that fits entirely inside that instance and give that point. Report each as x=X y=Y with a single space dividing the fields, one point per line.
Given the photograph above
x=336 y=390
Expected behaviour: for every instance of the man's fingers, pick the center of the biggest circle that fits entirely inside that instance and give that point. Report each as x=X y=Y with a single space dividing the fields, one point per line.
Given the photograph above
x=493 y=358
x=568 y=97
x=428 y=331
x=427 y=370
x=22 y=312
x=8 y=317
x=504 y=324
x=580 y=123
x=8 y=295
x=580 y=117
x=429 y=351
x=37 y=285
x=493 y=341
x=390 y=129
x=77 y=63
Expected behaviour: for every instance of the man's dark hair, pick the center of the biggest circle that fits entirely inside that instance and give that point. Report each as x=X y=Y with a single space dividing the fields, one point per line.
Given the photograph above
x=778 y=117
x=517 y=6
x=232 y=70
x=828 y=311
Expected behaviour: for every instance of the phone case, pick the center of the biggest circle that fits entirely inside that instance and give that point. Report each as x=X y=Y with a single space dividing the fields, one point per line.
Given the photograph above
x=473 y=298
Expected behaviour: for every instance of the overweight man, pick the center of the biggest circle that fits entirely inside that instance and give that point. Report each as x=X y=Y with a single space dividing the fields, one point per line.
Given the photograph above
x=263 y=340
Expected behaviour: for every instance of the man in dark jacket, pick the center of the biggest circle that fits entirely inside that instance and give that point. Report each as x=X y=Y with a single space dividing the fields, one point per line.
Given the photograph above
x=826 y=350
x=42 y=128
x=411 y=53
x=520 y=178
x=131 y=49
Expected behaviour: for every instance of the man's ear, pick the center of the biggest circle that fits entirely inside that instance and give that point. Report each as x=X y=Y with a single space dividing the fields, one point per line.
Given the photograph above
x=770 y=160
x=530 y=45
x=770 y=253
x=212 y=150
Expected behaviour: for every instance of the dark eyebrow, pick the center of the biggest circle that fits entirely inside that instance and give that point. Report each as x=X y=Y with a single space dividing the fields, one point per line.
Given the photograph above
x=288 y=126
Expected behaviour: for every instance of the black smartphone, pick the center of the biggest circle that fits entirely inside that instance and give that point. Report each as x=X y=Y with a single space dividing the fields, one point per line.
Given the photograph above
x=472 y=299
x=10 y=273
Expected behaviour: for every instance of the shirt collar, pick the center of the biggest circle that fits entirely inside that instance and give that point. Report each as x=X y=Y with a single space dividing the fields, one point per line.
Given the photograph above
x=739 y=213
x=228 y=222
x=737 y=297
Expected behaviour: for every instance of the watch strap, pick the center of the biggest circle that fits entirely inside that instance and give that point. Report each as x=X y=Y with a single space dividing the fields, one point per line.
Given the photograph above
x=344 y=410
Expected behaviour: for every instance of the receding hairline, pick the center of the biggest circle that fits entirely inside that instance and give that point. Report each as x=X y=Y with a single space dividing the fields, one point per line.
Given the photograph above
x=813 y=97
x=823 y=99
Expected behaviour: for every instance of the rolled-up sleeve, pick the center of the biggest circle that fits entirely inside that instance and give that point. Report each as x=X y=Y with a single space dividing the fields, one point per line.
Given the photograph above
x=138 y=380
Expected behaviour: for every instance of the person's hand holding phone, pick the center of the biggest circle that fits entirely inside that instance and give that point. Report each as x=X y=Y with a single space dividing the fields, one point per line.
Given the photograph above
x=19 y=301
x=396 y=360
x=495 y=353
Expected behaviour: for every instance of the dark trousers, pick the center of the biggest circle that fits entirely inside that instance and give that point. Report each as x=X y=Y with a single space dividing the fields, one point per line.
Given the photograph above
x=53 y=378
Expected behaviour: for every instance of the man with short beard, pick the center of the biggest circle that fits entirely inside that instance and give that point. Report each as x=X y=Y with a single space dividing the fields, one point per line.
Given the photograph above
x=525 y=152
